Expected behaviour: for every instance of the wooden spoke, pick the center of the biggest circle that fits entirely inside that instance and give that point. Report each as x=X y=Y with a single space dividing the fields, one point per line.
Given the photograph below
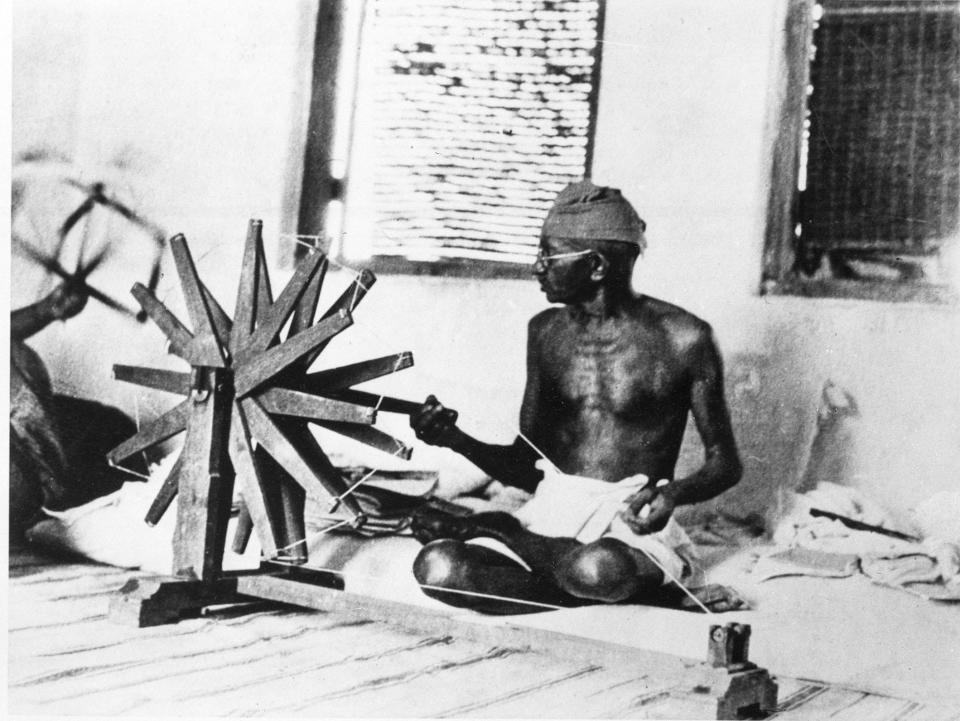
x=287 y=500
x=307 y=307
x=304 y=441
x=349 y=375
x=169 y=424
x=168 y=491
x=280 y=311
x=264 y=289
x=207 y=350
x=283 y=451
x=272 y=361
x=355 y=292
x=304 y=314
x=254 y=488
x=175 y=331
x=245 y=311
x=372 y=437
x=161 y=380
x=348 y=300
x=221 y=321
x=388 y=404
x=284 y=401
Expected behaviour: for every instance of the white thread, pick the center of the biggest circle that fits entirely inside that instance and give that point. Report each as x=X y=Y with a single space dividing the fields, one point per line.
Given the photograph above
x=130 y=471
x=476 y=594
x=540 y=453
x=672 y=578
x=311 y=536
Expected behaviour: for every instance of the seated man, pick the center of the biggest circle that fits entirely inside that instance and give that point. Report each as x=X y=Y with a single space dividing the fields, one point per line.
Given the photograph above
x=58 y=443
x=611 y=377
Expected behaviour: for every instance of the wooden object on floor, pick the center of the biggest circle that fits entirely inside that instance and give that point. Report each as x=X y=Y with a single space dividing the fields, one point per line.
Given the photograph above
x=145 y=602
x=742 y=690
x=248 y=408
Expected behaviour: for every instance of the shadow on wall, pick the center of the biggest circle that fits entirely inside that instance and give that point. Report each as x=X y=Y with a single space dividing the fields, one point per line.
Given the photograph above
x=773 y=396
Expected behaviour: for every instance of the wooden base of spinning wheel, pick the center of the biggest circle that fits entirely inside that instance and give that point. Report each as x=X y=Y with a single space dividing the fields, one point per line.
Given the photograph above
x=161 y=600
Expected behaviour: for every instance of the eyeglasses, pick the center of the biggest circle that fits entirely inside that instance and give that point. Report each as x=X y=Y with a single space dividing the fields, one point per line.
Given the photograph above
x=544 y=259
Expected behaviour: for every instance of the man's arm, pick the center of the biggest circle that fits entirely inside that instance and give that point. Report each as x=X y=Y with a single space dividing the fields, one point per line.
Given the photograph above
x=64 y=301
x=721 y=468
x=512 y=464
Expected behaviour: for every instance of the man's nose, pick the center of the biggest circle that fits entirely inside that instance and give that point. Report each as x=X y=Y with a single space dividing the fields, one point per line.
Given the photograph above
x=538 y=267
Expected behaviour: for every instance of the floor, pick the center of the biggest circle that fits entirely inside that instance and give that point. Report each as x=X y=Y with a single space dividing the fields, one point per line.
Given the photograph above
x=67 y=657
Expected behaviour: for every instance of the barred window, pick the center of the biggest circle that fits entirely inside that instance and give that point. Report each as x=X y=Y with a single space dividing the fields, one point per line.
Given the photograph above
x=467 y=118
x=878 y=172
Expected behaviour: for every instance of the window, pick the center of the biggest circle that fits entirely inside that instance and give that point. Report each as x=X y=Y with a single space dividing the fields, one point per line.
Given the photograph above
x=450 y=126
x=871 y=151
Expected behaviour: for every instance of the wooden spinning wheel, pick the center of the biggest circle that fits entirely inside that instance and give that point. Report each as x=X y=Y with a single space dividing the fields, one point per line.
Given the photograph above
x=248 y=400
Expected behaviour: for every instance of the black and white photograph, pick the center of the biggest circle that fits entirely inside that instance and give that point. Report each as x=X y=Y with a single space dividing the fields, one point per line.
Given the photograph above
x=505 y=359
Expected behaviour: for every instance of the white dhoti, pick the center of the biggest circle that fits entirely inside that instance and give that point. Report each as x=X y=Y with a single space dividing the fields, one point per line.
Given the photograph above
x=588 y=509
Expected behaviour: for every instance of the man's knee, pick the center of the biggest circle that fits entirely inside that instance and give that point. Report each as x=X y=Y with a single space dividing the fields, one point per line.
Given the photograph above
x=441 y=563
x=600 y=571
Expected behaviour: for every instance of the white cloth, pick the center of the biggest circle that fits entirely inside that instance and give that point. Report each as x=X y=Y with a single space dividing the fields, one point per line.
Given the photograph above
x=887 y=560
x=589 y=509
x=111 y=529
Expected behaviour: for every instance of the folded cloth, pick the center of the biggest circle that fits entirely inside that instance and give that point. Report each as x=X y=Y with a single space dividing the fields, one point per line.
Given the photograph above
x=589 y=509
x=798 y=561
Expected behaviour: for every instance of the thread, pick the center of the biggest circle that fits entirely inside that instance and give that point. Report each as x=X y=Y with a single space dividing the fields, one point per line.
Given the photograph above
x=475 y=594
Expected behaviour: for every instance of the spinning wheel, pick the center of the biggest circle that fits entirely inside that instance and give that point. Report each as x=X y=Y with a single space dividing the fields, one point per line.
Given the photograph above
x=248 y=400
x=44 y=240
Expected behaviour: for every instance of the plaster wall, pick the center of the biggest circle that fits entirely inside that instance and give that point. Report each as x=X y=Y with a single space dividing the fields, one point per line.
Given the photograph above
x=205 y=106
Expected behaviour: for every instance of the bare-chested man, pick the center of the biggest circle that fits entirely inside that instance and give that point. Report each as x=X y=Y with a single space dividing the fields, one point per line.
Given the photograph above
x=611 y=378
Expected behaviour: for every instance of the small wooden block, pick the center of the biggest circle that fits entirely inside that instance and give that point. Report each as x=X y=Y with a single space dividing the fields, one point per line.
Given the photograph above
x=746 y=694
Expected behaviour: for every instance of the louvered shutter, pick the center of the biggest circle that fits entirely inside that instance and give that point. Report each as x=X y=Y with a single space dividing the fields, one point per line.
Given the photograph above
x=883 y=172
x=471 y=116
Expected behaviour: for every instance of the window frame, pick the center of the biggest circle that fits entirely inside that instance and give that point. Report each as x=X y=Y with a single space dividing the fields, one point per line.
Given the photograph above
x=319 y=187
x=779 y=278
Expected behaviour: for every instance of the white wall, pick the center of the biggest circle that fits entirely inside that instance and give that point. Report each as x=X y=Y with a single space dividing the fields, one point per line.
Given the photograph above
x=206 y=104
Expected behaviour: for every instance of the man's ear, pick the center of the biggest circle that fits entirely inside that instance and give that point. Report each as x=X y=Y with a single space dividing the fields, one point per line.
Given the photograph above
x=601 y=266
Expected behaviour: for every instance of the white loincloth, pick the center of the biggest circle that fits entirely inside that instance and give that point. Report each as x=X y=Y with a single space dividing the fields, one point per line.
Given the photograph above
x=589 y=509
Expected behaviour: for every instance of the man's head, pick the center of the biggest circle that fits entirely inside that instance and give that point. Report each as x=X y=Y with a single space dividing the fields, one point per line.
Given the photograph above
x=592 y=236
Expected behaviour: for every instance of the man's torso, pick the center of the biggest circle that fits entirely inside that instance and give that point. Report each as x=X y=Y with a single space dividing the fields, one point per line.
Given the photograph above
x=614 y=393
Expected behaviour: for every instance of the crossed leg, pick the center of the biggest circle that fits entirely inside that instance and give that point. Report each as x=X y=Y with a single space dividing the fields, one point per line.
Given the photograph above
x=563 y=571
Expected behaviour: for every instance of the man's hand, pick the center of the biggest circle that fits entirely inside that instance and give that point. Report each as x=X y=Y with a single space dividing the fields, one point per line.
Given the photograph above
x=66 y=300
x=649 y=510
x=434 y=424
